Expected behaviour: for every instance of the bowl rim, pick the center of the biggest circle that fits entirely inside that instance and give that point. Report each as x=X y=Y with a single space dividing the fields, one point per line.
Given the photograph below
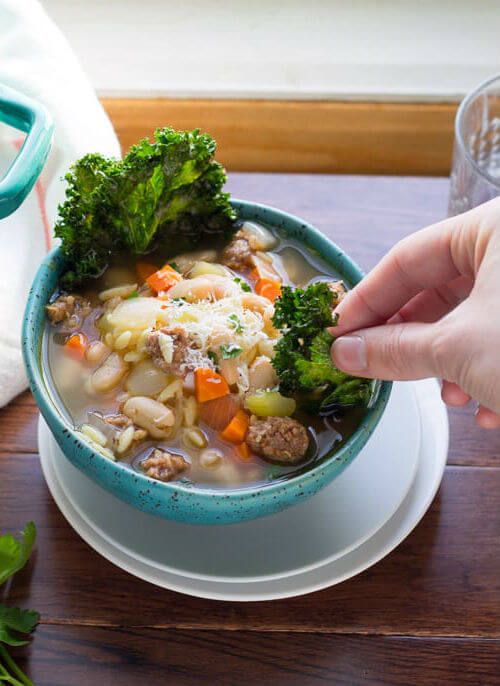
x=47 y=404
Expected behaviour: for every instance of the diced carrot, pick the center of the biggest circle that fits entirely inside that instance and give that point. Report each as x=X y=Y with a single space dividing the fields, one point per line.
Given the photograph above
x=237 y=428
x=268 y=288
x=209 y=385
x=76 y=345
x=164 y=278
x=243 y=451
x=253 y=276
x=144 y=270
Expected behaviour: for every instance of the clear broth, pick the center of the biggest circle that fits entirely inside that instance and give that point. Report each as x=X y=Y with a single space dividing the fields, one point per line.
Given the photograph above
x=66 y=378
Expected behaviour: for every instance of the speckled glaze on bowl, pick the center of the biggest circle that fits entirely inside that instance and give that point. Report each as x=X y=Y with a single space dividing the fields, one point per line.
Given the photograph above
x=181 y=502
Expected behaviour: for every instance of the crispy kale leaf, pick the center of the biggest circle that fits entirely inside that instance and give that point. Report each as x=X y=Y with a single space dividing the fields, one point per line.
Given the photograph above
x=302 y=359
x=87 y=241
x=171 y=187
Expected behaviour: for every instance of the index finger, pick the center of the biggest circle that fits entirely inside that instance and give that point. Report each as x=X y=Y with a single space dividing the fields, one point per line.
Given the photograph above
x=420 y=261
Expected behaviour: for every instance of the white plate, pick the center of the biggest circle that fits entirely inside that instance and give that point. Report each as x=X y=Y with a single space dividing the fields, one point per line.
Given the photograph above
x=336 y=520
x=431 y=463
x=432 y=459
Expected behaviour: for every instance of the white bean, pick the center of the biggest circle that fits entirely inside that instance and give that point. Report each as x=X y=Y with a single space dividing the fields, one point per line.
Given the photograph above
x=201 y=268
x=118 y=291
x=96 y=352
x=150 y=415
x=259 y=237
x=207 y=287
x=109 y=374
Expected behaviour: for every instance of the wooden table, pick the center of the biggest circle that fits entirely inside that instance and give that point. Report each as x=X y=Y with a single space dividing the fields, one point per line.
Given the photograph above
x=428 y=614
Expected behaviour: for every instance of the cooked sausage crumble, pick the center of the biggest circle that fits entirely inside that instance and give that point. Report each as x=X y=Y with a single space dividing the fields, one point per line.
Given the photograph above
x=163 y=465
x=70 y=309
x=280 y=439
x=238 y=254
x=179 y=364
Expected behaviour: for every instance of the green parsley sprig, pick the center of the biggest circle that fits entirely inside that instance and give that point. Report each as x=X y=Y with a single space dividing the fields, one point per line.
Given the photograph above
x=14 y=622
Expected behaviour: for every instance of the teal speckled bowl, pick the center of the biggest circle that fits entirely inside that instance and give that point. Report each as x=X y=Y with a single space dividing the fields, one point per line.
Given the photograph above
x=188 y=503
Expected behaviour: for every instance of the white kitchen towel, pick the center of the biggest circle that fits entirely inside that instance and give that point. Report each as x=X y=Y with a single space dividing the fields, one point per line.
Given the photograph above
x=36 y=60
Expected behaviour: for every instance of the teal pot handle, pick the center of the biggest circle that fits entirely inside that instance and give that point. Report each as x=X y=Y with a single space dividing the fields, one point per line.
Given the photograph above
x=28 y=116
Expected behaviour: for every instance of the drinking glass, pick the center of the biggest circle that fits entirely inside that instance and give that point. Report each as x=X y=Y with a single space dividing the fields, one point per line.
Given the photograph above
x=475 y=174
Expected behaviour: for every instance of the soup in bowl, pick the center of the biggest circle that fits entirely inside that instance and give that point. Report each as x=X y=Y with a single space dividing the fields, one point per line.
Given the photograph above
x=169 y=398
x=178 y=342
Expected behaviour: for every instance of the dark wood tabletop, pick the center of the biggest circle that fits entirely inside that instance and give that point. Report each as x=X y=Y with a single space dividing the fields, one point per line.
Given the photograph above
x=428 y=614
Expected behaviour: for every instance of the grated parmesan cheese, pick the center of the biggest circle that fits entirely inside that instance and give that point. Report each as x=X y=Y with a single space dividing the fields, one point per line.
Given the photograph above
x=206 y=324
x=212 y=324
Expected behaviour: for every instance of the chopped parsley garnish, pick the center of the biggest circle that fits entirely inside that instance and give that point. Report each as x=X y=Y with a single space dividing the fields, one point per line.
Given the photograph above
x=236 y=324
x=175 y=266
x=212 y=356
x=178 y=301
x=230 y=351
x=135 y=294
x=244 y=286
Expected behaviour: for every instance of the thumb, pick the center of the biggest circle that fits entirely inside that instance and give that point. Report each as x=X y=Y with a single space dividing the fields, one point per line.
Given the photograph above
x=399 y=352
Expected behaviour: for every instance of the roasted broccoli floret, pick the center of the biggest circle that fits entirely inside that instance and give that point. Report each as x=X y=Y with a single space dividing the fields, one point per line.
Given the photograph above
x=300 y=314
x=302 y=359
x=171 y=187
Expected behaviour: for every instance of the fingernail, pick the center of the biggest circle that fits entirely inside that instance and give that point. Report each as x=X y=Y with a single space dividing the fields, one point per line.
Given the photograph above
x=349 y=353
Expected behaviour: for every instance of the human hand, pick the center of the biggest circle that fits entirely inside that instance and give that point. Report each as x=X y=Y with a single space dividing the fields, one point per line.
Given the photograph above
x=431 y=307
